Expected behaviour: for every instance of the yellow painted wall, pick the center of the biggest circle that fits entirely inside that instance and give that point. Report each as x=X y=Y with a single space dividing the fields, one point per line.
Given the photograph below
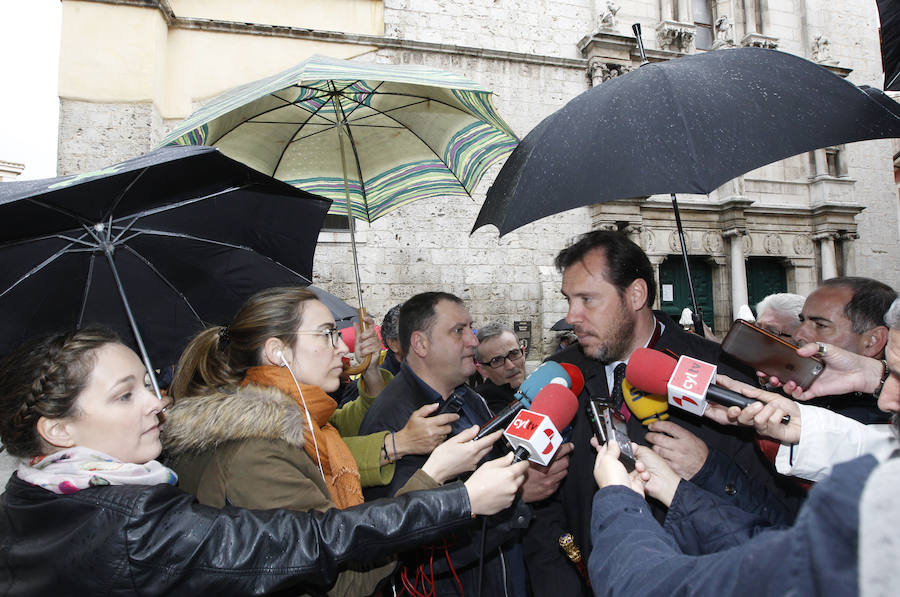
x=120 y=53
x=349 y=16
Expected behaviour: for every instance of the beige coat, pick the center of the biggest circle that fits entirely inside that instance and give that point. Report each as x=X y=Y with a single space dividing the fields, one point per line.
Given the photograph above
x=246 y=449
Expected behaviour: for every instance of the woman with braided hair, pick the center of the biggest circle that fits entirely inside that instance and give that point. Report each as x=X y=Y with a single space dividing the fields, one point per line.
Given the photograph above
x=90 y=511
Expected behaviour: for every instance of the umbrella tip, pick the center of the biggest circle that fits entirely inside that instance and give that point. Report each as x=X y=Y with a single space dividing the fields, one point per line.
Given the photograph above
x=640 y=43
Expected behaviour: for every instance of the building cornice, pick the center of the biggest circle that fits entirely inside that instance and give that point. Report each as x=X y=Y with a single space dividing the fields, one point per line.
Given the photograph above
x=320 y=35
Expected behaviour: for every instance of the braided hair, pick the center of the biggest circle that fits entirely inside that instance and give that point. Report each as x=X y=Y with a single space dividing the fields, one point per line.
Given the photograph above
x=43 y=378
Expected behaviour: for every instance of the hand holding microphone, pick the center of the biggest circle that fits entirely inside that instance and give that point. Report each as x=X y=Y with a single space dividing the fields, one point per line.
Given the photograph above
x=688 y=382
x=547 y=373
x=534 y=433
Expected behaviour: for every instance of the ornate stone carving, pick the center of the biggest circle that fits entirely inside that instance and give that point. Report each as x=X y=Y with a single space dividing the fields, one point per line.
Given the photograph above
x=607 y=20
x=712 y=242
x=724 y=33
x=675 y=36
x=821 y=51
x=803 y=245
x=773 y=244
x=758 y=40
x=608 y=226
x=648 y=240
x=675 y=243
x=601 y=71
x=747 y=244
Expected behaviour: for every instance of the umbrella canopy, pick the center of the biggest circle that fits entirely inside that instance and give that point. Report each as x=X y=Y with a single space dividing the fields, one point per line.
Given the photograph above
x=889 y=12
x=687 y=125
x=411 y=132
x=184 y=234
x=342 y=312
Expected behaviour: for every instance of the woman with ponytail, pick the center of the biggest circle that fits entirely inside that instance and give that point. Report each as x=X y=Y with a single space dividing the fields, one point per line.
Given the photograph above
x=253 y=425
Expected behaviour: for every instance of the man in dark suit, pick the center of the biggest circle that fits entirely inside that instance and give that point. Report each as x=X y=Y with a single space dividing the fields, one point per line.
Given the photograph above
x=610 y=286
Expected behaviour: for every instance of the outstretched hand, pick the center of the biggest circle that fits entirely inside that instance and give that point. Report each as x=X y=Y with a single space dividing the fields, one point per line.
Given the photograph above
x=844 y=372
x=494 y=485
x=765 y=416
x=682 y=450
x=660 y=480
x=609 y=471
x=459 y=454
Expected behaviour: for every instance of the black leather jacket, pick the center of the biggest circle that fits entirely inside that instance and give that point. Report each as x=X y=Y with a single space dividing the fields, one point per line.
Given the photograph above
x=157 y=540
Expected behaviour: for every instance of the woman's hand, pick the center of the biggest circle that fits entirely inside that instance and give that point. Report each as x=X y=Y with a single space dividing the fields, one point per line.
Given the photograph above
x=369 y=344
x=459 y=454
x=609 y=471
x=659 y=480
x=495 y=484
x=423 y=433
x=765 y=415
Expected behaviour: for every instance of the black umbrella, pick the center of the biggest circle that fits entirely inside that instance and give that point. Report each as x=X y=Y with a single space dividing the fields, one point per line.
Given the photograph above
x=889 y=12
x=153 y=247
x=687 y=125
x=561 y=326
x=342 y=312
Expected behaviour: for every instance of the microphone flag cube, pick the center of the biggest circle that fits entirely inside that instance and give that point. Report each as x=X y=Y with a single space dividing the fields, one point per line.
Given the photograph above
x=688 y=384
x=535 y=433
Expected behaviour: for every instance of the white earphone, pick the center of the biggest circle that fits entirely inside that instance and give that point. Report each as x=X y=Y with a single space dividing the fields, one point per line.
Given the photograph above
x=279 y=353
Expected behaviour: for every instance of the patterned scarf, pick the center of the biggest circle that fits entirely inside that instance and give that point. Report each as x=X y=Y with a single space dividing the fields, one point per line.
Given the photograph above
x=74 y=469
x=338 y=464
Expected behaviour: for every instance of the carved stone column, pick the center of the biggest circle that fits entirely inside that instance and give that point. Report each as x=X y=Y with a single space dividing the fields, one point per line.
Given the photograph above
x=667 y=10
x=750 y=7
x=738 y=270
x=820 y=163
x=826 y=251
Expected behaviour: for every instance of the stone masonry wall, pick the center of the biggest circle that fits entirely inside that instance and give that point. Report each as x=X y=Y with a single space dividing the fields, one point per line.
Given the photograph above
x=427 y=245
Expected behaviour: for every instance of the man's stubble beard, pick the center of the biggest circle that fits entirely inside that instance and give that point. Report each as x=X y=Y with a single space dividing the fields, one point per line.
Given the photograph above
x=621 y=339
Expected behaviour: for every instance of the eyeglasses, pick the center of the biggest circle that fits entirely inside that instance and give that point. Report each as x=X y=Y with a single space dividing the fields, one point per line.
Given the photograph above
x=512 y=356
x=332 y=333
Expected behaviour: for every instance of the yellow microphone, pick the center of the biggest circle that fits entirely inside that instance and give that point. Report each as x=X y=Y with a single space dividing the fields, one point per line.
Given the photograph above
x=645 y=406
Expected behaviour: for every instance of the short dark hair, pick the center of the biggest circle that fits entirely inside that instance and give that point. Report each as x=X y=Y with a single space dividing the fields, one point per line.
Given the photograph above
x=625 y=261
x=417 y=314
x=871 y=299
x=390 y=325
x=43 y=378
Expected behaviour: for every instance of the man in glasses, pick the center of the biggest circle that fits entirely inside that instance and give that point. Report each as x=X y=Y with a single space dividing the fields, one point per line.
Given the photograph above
x=501 y=363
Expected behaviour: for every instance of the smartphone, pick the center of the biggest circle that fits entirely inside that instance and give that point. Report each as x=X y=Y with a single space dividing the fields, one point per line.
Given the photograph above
x=610 y=425
x=774 y=356
x=451 y=406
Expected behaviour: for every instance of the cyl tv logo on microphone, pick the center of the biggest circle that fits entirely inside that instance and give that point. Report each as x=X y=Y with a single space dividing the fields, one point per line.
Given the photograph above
x=688 y=384
x=536 y=433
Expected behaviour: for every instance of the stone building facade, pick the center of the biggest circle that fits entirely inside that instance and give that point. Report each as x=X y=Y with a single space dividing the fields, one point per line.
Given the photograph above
x=131 y=69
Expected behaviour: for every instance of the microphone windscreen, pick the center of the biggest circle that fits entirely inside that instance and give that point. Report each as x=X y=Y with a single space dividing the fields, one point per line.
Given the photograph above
x=650 y=370
x=557 y=402
x=575 y=375
x=540 y=377
x=646 y=406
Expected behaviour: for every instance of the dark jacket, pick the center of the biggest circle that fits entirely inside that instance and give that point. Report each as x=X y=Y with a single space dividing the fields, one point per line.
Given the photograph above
x=395 y=404
x=157 y=540
x=713 y=548
x=569 y=510
x=497 y=397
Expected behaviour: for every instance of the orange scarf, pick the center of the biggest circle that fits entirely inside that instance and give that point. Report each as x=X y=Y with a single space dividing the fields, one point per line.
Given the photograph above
x=341 y=471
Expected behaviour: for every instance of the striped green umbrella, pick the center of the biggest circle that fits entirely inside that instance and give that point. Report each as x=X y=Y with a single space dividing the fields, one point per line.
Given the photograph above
x=411 y=132
x=373 y=136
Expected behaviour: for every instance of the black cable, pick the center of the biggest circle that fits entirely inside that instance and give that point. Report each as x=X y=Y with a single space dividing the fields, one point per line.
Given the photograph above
x=481 y=555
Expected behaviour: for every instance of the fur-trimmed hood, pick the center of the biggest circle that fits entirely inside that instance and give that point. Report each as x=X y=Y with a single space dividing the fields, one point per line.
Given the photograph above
x=201 y=423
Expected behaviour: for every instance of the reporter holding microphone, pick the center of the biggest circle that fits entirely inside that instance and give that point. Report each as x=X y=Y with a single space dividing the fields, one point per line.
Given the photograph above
x=845 y=541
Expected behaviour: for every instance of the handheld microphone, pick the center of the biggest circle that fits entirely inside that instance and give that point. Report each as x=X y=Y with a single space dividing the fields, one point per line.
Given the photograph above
x=646 y=406
x=534 y=433
x=577 y=379
x=688 y=382
x=547 y=373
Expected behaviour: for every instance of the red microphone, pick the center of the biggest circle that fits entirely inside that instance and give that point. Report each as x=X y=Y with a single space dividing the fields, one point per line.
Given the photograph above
x=575 y=376
x=534 y=433
x=688 y=382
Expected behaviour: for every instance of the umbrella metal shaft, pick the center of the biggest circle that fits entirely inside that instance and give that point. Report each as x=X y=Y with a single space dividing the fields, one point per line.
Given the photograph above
x=134 y=328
